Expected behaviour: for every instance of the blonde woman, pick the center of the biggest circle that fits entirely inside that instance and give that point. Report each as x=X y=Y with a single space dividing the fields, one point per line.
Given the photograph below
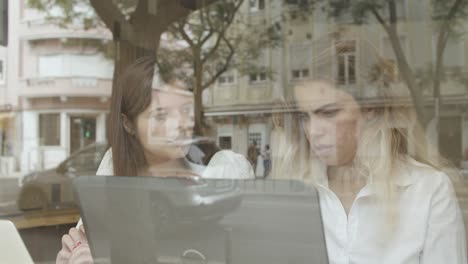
x=385 y=198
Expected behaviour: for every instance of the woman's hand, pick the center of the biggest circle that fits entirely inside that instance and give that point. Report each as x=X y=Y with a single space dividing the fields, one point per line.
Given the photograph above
x=75 y=248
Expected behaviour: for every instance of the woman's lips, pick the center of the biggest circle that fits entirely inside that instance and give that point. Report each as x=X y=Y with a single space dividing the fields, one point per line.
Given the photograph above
x=324 y=150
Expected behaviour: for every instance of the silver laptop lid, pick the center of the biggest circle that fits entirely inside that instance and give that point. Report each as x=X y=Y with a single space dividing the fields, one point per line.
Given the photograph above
x=12 y=247
x=194 y=220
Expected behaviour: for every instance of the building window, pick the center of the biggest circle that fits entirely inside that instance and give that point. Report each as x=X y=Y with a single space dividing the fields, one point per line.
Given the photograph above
x=300 y=74
x=49 y=129
x=256 y=5
x=258 y=77
x=227 y=78
x=255 y=137
x=74 y=65
x=346 y=62
x=299 y=61
x=225 y=142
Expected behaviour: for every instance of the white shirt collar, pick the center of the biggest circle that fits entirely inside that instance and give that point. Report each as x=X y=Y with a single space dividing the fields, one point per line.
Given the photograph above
x=406 y=177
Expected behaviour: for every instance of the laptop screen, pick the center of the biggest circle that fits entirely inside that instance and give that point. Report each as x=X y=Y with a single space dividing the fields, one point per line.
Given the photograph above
x=12 y=246
x=194 y=220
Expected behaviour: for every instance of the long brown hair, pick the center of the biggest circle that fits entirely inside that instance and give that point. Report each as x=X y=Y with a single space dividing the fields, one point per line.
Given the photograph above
x=130 y=96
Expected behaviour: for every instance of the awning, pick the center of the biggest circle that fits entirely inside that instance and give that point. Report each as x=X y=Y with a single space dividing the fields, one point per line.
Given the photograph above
x=7 y=115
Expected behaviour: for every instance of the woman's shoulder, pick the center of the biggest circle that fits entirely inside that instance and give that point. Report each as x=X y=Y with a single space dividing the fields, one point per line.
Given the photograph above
x=106 y=167
x=228 y=164
x=428 y=177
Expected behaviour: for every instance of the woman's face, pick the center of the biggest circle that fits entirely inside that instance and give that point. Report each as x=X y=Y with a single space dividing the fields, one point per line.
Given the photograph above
x=166 y=126
x=331 y=120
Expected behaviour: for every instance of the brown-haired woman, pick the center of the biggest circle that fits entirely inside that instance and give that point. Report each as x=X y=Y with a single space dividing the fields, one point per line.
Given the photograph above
x=151 y=130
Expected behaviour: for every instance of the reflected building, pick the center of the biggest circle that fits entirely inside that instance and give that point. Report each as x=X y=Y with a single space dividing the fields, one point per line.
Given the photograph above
x=240 y=105
x=58 y=85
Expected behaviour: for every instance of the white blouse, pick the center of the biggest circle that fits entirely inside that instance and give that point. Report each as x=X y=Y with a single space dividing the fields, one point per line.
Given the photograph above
x=224 y=164
x=430 y=229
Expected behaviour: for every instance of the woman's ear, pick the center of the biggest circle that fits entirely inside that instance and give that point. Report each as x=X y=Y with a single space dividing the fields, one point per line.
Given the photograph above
x=127 y=124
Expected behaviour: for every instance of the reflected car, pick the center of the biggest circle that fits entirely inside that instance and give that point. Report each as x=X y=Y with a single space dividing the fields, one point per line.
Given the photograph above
x=52 y=188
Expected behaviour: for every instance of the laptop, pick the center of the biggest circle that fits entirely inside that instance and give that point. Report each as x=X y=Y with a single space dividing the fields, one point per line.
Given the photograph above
x=195 y=220
x=12 y=247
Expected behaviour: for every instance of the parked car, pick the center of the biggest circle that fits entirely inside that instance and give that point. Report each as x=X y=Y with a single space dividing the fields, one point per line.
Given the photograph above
x=52 y=188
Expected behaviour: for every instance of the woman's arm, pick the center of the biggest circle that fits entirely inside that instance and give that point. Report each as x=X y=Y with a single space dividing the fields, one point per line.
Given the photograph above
x=75 y=248
x=445 y=236
x=82 y=254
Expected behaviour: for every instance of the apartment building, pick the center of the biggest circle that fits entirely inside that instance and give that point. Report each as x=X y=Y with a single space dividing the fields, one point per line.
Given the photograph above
x=241 y=105
x=56 y=88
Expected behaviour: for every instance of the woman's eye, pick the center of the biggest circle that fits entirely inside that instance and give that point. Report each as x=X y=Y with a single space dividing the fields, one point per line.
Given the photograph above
x=159 y=117
x=329 y=113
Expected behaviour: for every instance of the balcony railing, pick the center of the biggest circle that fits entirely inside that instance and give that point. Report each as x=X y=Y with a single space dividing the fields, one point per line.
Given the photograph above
x=66 y=86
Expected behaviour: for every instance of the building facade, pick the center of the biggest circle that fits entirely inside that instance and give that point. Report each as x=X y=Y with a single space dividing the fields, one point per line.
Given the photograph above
x=57 y=87
x=241 y=106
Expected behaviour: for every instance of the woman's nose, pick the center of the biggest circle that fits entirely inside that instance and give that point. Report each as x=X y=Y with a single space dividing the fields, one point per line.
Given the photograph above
x=316 y=127
x=181 y=121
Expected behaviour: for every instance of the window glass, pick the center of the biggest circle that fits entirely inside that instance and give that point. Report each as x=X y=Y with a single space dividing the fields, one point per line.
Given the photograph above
x=49 y=129
x=364 y=101
x=71 y=65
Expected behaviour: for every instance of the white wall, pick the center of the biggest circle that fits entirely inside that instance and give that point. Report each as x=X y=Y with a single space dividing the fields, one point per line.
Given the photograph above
x=36 y=157
x=29 y=154
x=101 y=128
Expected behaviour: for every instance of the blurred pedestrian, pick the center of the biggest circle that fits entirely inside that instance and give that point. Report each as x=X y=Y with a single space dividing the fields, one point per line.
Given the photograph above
x=252 y=154
x=266 y=161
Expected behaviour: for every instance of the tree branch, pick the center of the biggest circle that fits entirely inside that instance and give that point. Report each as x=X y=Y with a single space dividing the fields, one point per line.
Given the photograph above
x=442 y=39
x=202 y=28
x=392 y=11
x=211 y=28
x=222 y=32
x=214 y=48
x=453 y=10
x=225 y=66
x=379 y=18
x=169 y=11
x=110 y=15
x=181 y=30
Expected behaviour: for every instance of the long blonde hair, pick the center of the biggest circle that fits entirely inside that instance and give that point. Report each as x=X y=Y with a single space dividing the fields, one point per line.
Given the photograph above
x=388 y=144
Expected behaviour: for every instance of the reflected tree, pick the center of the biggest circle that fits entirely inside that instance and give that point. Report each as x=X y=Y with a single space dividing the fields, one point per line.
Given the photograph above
x=202 y=42
x=446 y=17
x=212 y=41
x=136 y=25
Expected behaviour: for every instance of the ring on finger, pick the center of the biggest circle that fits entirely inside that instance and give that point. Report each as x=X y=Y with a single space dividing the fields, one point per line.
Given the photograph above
x=76 y=245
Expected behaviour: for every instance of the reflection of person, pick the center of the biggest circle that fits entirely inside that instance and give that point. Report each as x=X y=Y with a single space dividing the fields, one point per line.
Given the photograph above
x=252 y=154
x=383 y=198
x=152 y=124
x=266 y=161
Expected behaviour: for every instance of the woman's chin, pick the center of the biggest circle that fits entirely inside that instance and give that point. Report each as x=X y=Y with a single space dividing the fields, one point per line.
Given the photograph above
x=329 y=160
